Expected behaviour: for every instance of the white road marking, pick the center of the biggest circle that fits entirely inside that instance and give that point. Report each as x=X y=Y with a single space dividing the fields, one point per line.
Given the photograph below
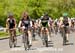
x=39 y=49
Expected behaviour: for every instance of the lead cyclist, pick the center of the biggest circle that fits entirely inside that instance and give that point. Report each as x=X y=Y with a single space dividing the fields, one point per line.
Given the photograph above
x=25 y=22
x=44 y=21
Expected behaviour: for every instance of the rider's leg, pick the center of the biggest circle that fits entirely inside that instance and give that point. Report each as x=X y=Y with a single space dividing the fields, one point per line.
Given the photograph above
x=15 y=34
x=30 y=37
x=42 y=32
x=10 y=33
x=39 y=30
x=49 y=31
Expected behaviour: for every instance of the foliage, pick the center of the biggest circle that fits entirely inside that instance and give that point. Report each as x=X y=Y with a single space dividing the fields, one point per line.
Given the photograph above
x=35 y=8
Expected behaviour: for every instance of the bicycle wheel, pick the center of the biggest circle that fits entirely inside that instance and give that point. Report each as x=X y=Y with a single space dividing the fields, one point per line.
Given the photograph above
x=33 y=37
x=15 y=41
x=64 y=37
x=10 y=43
x=46 y=40
x=46 y=43
x=25 y=42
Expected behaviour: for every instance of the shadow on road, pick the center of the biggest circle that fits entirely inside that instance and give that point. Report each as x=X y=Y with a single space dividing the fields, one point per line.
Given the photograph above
x=18 y=46
x=50 y=45
x=69 y=44
x=33 y=49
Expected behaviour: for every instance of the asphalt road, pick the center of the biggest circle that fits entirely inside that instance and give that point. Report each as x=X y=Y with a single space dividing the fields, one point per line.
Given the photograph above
x=37 y=47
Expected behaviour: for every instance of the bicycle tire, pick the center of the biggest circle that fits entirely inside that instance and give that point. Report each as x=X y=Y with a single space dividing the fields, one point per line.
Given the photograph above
x=26 y=43
x=10 y=43
x=46 y=42
x=64 y=37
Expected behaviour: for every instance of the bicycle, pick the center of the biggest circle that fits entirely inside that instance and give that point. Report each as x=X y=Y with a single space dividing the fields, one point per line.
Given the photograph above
x=12 y=38
x=45 y=37
x=64 y=34
x=26 y=39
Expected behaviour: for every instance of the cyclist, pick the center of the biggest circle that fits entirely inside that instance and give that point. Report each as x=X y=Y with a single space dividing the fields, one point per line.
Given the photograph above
x=11 y=25
x=25 y=22
x=56 y=26
x=72 y=24
x=34 y=28
x=45 y=23
x=38 y=26
x=65 y=23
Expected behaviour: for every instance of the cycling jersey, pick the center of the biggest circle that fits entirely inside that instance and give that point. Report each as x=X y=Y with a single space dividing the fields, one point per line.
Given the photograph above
x=65 y=21
x=51 y=22
x=25 y=23
x=11 y=23
x=44 y=22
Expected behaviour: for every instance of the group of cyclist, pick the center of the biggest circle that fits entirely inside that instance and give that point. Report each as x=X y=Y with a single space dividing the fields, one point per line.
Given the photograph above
x=62 y=25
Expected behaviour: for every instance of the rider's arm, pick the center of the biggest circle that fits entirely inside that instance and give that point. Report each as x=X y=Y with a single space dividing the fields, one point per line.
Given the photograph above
x=69 y=22
x=30 y=23
x=7 y=23
x=48 y=23
x=15 y=23
x=40 y=23
x=19 y=25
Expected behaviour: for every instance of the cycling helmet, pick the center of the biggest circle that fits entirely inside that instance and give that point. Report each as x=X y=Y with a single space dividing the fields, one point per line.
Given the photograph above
x=10 y=14
x=46 y=14
x=65 y=14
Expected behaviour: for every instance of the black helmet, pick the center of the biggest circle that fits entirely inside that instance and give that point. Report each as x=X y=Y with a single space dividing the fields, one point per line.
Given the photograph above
x=46 y=14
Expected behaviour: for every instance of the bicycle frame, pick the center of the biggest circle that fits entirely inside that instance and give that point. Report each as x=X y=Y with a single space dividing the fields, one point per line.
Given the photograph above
x=12 y=38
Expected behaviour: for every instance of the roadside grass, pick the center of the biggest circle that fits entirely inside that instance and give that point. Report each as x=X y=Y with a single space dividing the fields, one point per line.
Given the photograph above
x=6 y=34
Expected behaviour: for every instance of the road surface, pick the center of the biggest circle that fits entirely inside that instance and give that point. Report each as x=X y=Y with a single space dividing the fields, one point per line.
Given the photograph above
x=37 y=47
